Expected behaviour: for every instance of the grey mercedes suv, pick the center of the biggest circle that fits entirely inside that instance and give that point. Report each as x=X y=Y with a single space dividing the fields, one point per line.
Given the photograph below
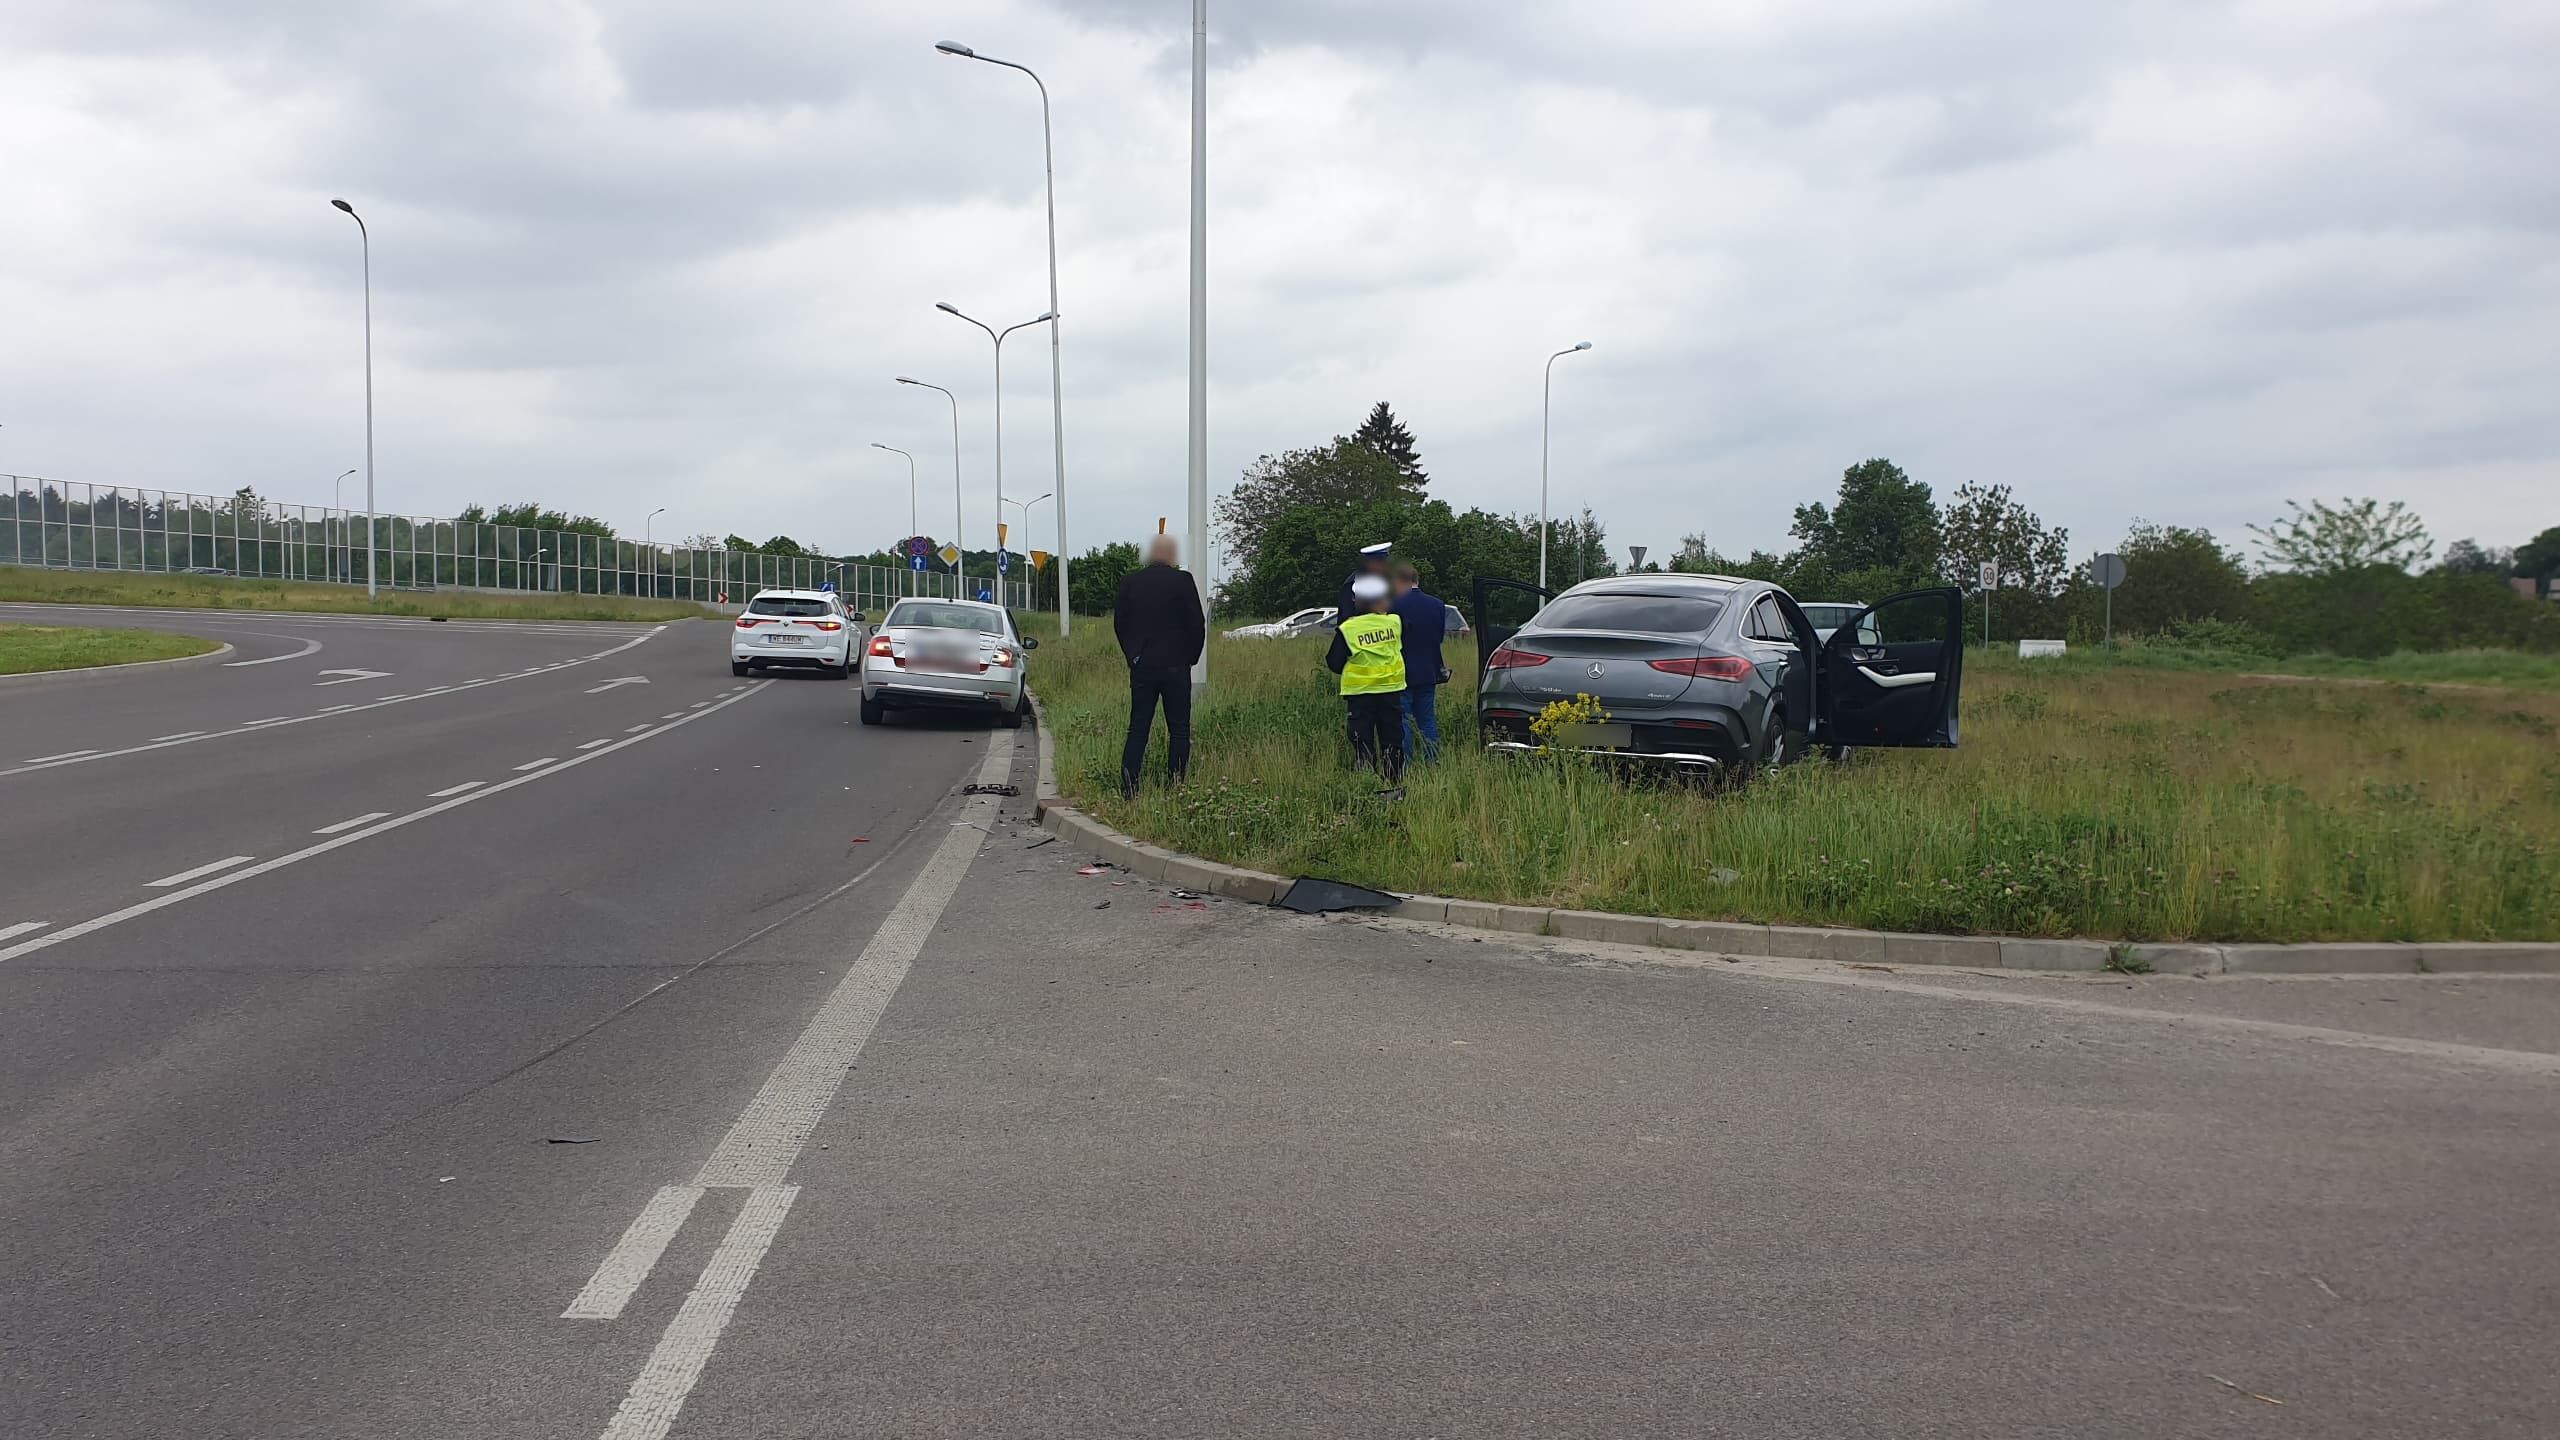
x=1714 y=674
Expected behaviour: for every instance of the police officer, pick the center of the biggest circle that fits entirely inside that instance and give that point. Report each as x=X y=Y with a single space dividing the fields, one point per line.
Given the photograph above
x=1368 y=653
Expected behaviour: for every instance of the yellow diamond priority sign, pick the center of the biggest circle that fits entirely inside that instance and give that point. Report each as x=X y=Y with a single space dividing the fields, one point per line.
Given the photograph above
x=950 y=554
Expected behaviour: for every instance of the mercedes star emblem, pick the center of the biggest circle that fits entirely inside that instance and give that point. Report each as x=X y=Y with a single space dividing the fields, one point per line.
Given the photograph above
x=1598 y=669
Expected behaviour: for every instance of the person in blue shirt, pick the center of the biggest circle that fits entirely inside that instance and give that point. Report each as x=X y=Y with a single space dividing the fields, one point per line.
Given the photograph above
x=1426 y=624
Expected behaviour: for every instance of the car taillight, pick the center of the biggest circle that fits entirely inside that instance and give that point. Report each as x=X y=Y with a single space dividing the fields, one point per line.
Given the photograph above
x=831 y=625
x=748 y=622
x=1710 y=667
x=1505 y=658
x=880 y=646
x=1001 y=658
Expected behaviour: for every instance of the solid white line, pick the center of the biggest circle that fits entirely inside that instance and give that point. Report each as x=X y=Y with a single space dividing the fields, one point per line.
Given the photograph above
x=537 y=764
x=270 y=720
x=590 y=745
x=452 y=790
x=767 y=1137
x=626 y=1267
x=351 y=824
x=83 y=757
x=136 y=911
x=198 y=873
x=309 y=647
x=650 y=1410
x=395 y=697
x=181 y=735
x=23 y=927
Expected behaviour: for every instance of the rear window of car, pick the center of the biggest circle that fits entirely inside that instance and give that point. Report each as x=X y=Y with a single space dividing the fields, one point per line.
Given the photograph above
x=911 y=615
x=1655 y=614
x=786 y=606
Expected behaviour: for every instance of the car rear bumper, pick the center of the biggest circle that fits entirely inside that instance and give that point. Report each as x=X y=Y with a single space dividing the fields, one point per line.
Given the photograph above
x=1690 y=762
x=954 y=691
x=818 y=655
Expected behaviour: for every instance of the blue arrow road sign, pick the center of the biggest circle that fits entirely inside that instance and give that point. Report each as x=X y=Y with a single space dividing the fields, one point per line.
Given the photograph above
x=985 y=595
x=1004 y=562
x=916 y=561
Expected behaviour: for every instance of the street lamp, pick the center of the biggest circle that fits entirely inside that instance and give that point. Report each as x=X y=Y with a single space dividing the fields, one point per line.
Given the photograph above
x=650 y=544
x=1025 y=507
x=537 y=566
x=365 y=238
x=959 y=547
x=1545 y=419
x=911 y=501
x=338 y=502
x=1057 y=404
x=947 y=308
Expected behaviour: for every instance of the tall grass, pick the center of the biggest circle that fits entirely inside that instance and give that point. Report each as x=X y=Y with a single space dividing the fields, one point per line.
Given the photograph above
x=216 y=592
x=2138 y=802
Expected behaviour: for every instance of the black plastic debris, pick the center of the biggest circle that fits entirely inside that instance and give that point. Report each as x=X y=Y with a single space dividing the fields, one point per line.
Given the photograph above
x=1043 y=840
x=977 y=789
x=573 y=1140
x=1310 y=896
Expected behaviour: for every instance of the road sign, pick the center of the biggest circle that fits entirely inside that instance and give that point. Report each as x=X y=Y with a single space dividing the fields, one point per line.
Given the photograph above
x=1638 y=552
x=950 y=554
x=826 y=587
x=918 y=546
x=916 y=561
x=1990 y=573
x=2107 y=570
x=1039 y=558
x=985 y=595
x=1004 y=562
x=1003 y=532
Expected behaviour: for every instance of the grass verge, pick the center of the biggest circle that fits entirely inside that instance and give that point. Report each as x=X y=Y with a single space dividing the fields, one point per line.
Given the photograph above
x=2128 y=801
x=213 y=592
x=28 y=649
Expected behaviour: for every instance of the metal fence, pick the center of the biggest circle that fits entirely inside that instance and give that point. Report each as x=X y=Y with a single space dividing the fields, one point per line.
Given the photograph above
x=75 y=526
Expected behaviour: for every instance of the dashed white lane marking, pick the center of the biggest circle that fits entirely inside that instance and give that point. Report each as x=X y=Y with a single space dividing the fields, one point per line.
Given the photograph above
x=270 y=720
x=351 y=824
x=634 y=1255
x=198 y=873
x=658 y=1396
x=698 y=704
x=450 y=791
x=770 y=1133
x=181 y=735
x=395 y=697
x=206 y=887
x=309 y=647
x=643 y=725
x=537 y=764
x=84 y=757
x=23 y=927
x=590 y=745
x=671 y=715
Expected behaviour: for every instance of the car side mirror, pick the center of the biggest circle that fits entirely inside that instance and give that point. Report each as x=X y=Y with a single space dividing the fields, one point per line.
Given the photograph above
x=860 y=619
x=1029 y=643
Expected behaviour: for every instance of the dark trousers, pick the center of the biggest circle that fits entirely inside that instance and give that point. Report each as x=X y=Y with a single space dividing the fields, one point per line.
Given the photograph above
x=1377 y=732
x=1150 y=685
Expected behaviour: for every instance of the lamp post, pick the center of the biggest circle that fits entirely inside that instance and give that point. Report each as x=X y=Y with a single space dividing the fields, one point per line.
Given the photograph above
x=648 y=542
x=1546 y=418
x=947 y=308
x=1199 y=460
x=1024 y=506
x=959 y=547
x=537 y=567
x=365 y=238
x=1057 y=404
x=911 y=500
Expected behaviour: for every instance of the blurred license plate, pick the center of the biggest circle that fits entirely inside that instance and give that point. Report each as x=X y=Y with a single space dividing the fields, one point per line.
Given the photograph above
x=950 y=659
x=786 y=639
x=1595 y=737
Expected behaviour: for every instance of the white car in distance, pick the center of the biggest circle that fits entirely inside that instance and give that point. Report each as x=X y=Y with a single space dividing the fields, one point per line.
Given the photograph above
x=802 y=629
x=1309 y=621
x=947 y=655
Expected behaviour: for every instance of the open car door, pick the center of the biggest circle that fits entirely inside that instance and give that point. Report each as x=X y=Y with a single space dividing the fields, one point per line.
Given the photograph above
x=1501 y=608
x=1891 y=675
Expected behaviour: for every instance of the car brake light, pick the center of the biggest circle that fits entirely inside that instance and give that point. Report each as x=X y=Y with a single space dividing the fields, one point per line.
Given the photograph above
x=1001 y=658
x=1505 y=658
x=831 y=625
x=1710 y=667
x=748 y=622
x=880 y=646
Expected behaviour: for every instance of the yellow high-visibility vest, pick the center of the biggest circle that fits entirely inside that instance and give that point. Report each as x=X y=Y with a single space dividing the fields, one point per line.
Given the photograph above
x=1376 y=665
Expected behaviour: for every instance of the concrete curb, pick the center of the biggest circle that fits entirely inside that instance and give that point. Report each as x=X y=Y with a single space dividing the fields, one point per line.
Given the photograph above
x=1798 y=942
x=90 y=674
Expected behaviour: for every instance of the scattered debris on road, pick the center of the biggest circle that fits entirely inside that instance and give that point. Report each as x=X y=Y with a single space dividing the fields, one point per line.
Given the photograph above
x=571 y=1140
x=1043 y=840
x=2252 y=1394
x=1309 y=896
x=974 y=788
x=1095 y=868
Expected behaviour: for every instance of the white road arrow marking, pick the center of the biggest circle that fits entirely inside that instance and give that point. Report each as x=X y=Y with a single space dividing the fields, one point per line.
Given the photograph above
x=625 y=680
x=352 y=676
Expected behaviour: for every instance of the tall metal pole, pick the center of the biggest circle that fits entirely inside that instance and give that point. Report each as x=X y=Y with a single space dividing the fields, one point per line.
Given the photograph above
x=911 y=503
x=365 y=236
x=1057 y=393
x=998 y=337
x=649 y=543
x=959 y=547
x=1199 y=318
x=337 y=502
x=1546 y=418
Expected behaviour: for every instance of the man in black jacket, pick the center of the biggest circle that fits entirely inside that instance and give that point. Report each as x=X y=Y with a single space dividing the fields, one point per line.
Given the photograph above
x=1161 y=628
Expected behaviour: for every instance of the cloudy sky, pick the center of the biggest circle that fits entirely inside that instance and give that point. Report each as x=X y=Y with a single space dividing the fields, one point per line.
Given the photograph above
x=2158 y=258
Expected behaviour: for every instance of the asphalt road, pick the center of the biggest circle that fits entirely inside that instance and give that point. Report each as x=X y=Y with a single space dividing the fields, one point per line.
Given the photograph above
x=738 y=1076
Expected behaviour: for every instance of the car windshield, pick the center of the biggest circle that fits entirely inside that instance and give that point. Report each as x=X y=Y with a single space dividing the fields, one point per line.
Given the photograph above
x=928 y=615
x=1651 y=614
x=789 y=605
